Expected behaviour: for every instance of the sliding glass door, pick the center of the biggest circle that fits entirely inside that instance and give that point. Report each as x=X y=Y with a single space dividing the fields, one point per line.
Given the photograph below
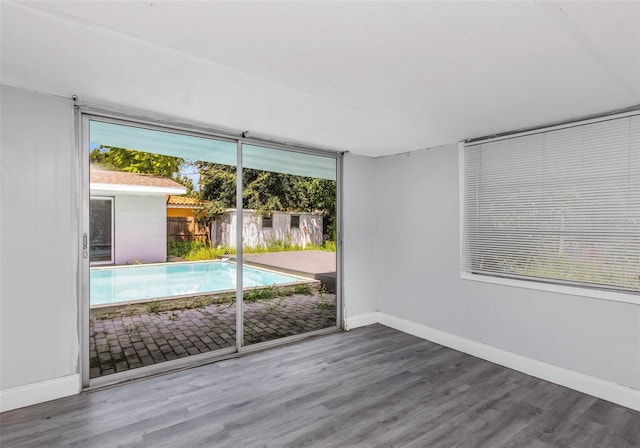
x=289 y=243
x=179 y=225
x=158 y=290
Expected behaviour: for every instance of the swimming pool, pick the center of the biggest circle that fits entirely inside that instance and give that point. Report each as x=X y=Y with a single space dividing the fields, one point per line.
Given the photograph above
x=116 y=284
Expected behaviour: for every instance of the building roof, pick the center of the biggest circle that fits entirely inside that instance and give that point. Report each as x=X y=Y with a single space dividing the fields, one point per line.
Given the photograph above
x=100 y=176
x=131 y=183
x=185 y=202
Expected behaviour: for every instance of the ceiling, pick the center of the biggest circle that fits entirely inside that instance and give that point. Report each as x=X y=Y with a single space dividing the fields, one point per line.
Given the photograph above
x=373 y=78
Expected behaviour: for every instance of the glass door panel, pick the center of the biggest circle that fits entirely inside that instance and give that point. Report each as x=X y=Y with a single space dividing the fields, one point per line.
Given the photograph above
x=289 y=243
x=169 y=291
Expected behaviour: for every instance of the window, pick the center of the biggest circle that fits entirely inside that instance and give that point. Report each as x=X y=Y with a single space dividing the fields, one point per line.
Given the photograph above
x=295 y=221
x=101 y=229
x=560 y=205
x=267 y=221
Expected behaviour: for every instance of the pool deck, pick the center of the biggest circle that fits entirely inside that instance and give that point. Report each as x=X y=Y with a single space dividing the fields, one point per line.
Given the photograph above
x=123 y=343
x=119 y=344
x=316 y=264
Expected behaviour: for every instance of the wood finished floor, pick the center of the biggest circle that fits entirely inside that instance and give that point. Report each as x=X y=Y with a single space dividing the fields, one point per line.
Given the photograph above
x=371 y=387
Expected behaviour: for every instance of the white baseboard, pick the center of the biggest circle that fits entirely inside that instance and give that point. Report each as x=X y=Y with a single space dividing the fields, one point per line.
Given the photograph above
x=21 y=396
x=27 y=395
x=361 y=320
x=615 y=393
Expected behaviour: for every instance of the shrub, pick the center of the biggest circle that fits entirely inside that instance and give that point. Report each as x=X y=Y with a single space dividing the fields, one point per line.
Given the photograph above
x=260 y=293
x=206 y=253
x=182 y=248
x=329 y=246
x=303 y=289
x=195 y=250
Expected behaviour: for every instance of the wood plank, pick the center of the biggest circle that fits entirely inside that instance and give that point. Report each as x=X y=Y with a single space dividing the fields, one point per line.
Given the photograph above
x=370 y=387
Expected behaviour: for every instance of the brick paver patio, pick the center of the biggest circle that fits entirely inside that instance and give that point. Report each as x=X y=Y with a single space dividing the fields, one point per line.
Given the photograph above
x=123 y=343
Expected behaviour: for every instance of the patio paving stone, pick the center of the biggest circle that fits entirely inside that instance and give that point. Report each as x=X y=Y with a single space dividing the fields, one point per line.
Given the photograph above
x=124 y=343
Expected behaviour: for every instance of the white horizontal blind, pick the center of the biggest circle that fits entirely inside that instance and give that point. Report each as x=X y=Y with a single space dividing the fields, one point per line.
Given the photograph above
x=559 y=206
x=212 y=150
x=288 y=162
x=166 y=143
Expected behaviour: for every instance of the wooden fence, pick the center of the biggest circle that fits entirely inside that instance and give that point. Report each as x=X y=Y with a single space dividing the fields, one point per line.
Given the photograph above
x=185 y=229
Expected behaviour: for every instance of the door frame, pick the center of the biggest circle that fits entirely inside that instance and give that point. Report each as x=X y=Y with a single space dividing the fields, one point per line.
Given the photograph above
x=87 y=112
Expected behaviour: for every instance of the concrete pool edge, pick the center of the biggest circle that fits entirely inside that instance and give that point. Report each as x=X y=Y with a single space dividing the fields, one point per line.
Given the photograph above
x=186 y=301
x=281 y=279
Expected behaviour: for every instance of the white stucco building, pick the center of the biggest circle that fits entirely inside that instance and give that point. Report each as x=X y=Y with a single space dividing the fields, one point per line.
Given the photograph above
x=129 y=217
x=295 y=228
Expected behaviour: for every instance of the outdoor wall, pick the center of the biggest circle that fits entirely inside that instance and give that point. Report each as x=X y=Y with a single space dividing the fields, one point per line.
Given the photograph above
x=140 y=229
x=38 y=249
x=361 y=246
x=419 y=281
x=173 y=212
x=255 y=235
x=38 y=252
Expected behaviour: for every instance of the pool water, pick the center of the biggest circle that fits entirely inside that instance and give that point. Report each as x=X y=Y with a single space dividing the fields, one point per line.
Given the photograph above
x=139 y=282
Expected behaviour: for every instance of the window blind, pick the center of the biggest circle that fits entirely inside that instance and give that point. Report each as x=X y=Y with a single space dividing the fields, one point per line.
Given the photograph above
x=210 y=150
x=559 y=206
x=162 y=142
x=288 y=162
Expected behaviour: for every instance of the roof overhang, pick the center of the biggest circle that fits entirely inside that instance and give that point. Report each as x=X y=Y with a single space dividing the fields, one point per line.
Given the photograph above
x=189 y=206
x=103 y=188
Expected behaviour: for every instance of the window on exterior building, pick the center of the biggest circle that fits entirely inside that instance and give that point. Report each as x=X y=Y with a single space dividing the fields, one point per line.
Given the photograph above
x=101 y=233
x=560 y=205
x=267 y=221
x=295 y=221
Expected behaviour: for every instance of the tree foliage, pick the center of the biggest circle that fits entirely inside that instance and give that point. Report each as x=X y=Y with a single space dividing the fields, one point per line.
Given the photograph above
x=120 y=159
x=266 y=192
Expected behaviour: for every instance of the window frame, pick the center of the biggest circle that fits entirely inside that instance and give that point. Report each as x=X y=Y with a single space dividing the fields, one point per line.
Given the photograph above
x=583 y=291
x=84 y=114
x=291 y=224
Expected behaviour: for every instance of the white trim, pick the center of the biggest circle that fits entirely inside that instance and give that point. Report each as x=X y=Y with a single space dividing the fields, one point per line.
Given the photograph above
x=21 y=396
x=361 y=320
x=550 y=287
x=461 y=186
x=531 y=284
x=606 y=390
x=128 y=116
x=571 y=124
x=135 y=189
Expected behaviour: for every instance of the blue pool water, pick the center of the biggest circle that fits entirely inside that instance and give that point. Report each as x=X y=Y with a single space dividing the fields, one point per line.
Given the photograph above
x=141 y=282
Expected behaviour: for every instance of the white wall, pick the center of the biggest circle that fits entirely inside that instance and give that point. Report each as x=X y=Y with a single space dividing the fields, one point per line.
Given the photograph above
x=38 y=241
x=401 y=258
x=361 y=245
x=140 y=228
x=254 y=235
x=39 y=245
x=418 y=280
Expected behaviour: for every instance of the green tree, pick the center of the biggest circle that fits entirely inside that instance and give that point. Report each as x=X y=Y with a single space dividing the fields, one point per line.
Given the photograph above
x=322 y=196
x=217 y=183
x=267 y=192
x=121 y=159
